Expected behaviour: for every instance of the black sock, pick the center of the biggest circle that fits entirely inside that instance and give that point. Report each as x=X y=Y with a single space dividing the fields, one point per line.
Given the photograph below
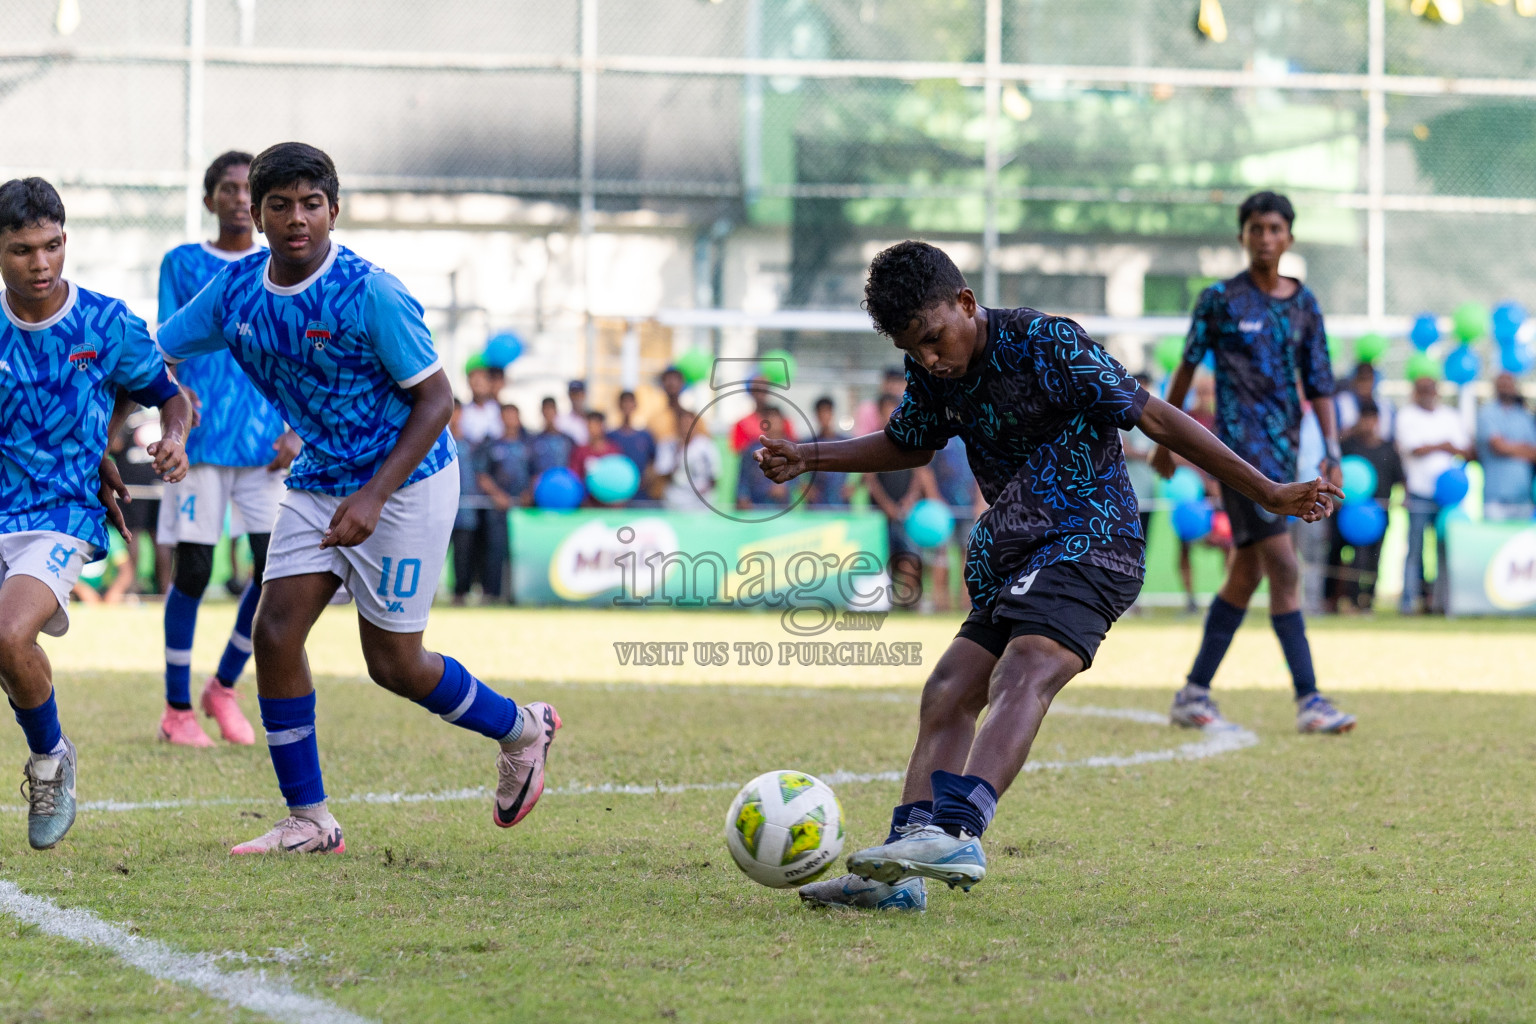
x=963 y=802
x=1291 y=629
x=1221 y=624
x=918 y=812
x=180 y=705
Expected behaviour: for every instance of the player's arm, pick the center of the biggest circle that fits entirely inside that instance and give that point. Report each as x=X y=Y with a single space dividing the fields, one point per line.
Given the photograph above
x=1170 y=427
x=782 y=461
x=113 y=493
x=141 y=372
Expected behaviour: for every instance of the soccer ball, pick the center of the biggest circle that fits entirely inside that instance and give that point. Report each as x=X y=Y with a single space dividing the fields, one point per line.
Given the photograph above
x=784 y=828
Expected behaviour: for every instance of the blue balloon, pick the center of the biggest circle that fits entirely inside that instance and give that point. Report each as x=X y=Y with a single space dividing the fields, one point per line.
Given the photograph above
x=612 y=479
x=1185 y=486
x=503 y=349
x=1362 y=523
x=929 y=524
x=1516 y=357
x=1462 y=365
x=1359 y=479
x=1507 y=318
x=559 y=489
x=1426 y=331
x=1192 y=520
x=1451 y=487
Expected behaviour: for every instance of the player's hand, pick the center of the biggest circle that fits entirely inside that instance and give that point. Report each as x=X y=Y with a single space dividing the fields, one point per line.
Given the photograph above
x=1309 y=500
x=355 y=520
x=170 y=458
x=781 y=461
x=287 y=448
x=1161 y=461
x=195 y=404
x=113 y=491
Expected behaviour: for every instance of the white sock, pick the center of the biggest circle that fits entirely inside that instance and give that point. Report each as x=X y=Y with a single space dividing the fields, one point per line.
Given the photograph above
x=520 y=733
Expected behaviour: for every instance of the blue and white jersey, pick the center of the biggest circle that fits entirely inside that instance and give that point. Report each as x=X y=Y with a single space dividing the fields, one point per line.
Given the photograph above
x=335 y=353
x=59 y=380
x=238 y=425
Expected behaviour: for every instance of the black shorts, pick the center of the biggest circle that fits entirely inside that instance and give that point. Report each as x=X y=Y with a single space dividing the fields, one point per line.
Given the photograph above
x=1071 y=603
x=1250 y=523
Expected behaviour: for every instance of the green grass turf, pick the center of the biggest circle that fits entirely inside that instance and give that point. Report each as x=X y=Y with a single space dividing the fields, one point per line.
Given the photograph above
x=1382 y=876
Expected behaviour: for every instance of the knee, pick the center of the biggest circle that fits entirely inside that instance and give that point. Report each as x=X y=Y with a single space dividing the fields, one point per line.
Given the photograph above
x=194 y=568
x=399 y=672
x=16 y=641
x=274 y=632
x=948 y=696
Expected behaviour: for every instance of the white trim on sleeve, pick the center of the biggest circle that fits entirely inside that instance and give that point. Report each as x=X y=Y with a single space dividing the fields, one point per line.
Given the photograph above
x=417 y=378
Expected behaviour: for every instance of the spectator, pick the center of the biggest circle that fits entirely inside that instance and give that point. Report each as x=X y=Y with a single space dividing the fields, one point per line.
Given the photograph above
x=1430 y=438
x=689 y=464
x=573 y=424
x=548 y=448
x=469 y=553
x=481 y=419
x=635 y=443
x=503 y=475
x=1355 y=584
x=1506 y=446
x=750 y=426
x=896 y=493
x=1361 y=385
x=1138 y=448
x=599 y=446
x=753 y=488
x=867 y=420
x=957 y=487
x=828 y=490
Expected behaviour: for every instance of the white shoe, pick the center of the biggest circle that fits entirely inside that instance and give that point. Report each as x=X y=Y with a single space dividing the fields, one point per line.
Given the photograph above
x=1316 y=713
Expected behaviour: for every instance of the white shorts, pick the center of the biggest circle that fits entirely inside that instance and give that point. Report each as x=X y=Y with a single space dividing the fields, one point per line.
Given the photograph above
x=192 y=511
x=393 y=574
x=54 y=558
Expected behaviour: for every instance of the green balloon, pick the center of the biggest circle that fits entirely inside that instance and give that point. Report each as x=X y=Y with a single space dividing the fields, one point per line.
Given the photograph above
x=1422 y=364
x=1168 y=353
x=1370 y=347
x=1470 y=321
x=476 y=362
x=694 y=365
x=777 y=367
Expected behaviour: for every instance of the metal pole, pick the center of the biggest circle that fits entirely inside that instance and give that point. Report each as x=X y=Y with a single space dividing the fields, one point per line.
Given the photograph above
x=587 y=134
x=1376 y=168
x=993 y=92
x=752 y=110
x=197 y=33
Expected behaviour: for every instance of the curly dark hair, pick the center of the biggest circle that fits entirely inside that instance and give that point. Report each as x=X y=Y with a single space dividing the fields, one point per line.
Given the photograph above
x=222 y=163
x=1265 y=202
x=289 y=163
x=906 y=279
x=28 y=201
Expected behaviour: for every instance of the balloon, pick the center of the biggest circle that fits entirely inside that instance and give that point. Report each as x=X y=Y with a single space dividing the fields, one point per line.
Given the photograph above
x=1470 y=321
x=1422 y=364
x=1168 y=353
x=475 y=362
x=1462 y=365
x=929 y=524
x=1516 y=357
x=557 y=488
x=1507 y=318
x=1447 y=516
x=1370 y=347
x=503 y=349
x=1426 y=331
x=1363 y=523
x=1192 y=520
x=694 y=365
x=612 y=479
x=1451 y=487
x=777 y=366
x=1359 y=479
x=1185 y=486
x=1221 y=529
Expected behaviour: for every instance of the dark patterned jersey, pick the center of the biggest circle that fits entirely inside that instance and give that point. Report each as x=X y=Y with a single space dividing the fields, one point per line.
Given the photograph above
x=1040 y=416
x=1261 y=344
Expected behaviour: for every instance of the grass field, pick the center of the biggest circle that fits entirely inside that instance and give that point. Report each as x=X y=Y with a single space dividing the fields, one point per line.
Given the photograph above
x=1382 y=876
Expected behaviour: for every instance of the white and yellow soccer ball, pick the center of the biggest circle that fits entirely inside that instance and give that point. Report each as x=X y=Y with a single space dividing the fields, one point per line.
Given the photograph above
x=784 y=828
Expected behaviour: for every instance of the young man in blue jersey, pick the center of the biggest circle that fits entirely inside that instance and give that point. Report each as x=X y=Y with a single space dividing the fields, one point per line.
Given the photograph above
x=238 y=456
x=1053 y=562
x=1266 y=330
x=68 y=357
x=339 y=346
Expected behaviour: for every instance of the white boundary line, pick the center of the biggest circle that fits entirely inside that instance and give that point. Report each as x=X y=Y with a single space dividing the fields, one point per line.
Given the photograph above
x=251 y=990
x=1213 y=743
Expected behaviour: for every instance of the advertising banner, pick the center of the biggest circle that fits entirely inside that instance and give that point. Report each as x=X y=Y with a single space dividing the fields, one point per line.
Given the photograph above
x=1493 y=568
x=637 y=557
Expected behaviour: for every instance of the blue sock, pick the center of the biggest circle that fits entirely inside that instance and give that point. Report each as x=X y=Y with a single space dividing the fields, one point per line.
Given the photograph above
x=1292 y=631
x=180 y=624
x=1221 y=624
x=41 y=724
x=465 y=701
x=963 y=802
x=238 y=651
x=290 y=725
x=918 y=812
